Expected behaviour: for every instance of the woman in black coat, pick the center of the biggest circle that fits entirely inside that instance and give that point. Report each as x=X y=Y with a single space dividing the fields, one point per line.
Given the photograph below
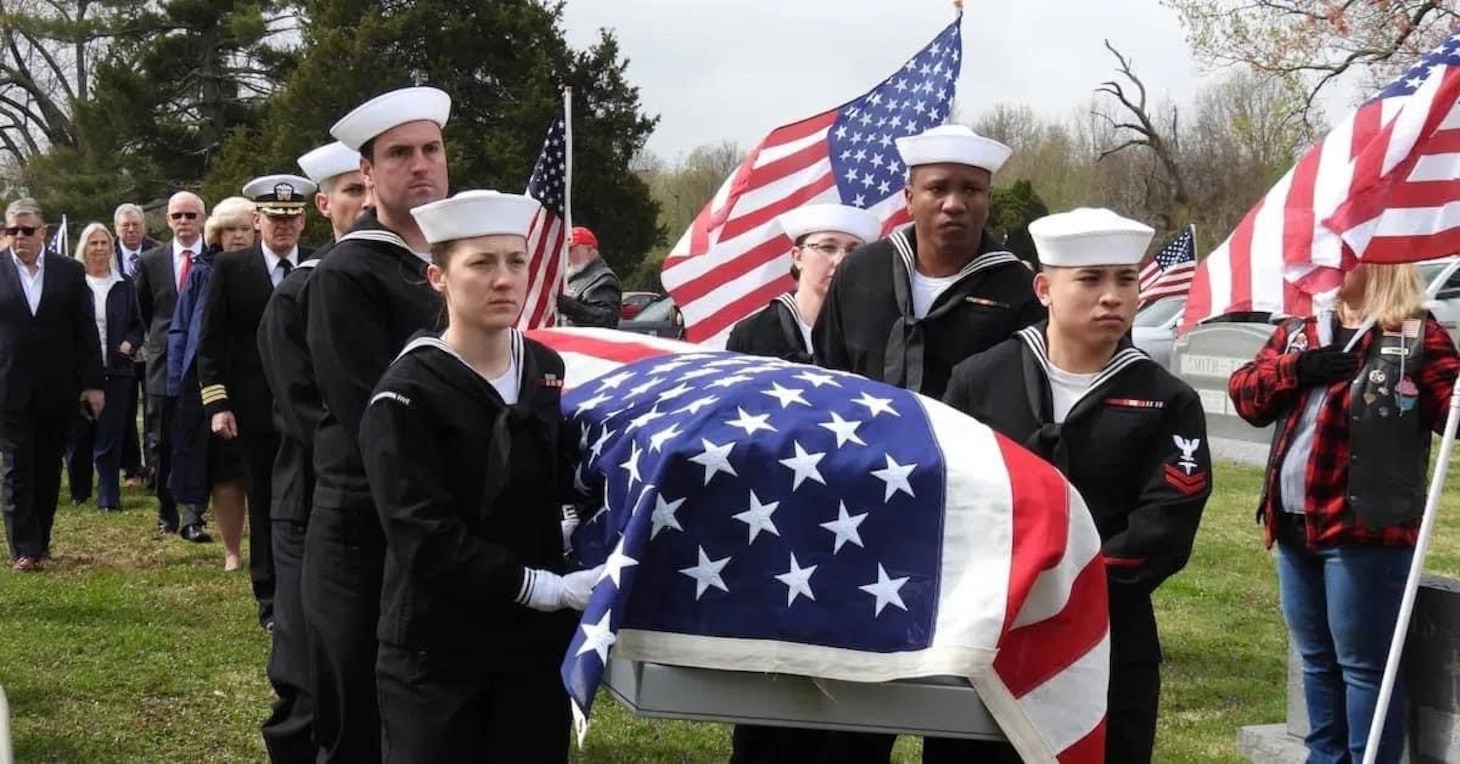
x=468 y=459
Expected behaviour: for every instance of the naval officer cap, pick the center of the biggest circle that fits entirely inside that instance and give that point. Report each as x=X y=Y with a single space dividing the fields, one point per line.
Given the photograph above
x=1089 y=237
x=953 y=144
x=839 y=218
x=476 y=213
x=393 y=109
x=279 y=195
x=329 y=160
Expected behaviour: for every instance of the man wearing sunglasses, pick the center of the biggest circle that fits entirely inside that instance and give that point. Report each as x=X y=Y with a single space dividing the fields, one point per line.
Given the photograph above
x=50 y=358
x=162 y=273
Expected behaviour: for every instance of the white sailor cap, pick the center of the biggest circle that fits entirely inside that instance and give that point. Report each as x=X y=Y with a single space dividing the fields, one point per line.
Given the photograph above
x=953 y=144
x=476 y=213
x=841 y=218
x=1089 y=237
x=282 y=195
x=398 y=107
x=329 y=160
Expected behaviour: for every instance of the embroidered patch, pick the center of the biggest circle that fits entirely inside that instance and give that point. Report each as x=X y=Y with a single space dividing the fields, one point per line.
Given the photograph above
x=1406 y=393
x=550 y=380
x=390 y=396
x=1298 y=342
x=1135 y=403
x=1188 y=485
x=1377 y=377
x=1369 y=398
x=1411 y=327
x=1188 y=452
x=1399 y=350
x=987 y=302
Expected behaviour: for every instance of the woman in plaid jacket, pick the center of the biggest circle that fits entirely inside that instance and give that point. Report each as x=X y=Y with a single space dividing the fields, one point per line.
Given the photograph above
x=1355 y=394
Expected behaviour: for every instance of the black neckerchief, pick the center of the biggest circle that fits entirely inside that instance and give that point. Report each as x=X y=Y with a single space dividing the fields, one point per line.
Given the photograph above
x=1046 y=440
x=788 y=314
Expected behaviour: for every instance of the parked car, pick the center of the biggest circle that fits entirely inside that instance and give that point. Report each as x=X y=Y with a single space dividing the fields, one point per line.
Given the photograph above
x=634 y=302
x=660 y=318
x=1154 y=328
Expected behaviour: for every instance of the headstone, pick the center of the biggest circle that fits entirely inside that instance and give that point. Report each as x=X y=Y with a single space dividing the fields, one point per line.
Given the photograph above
x=1205 y=358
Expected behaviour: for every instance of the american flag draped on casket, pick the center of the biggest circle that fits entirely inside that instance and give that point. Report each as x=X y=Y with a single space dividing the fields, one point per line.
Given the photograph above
x=761 y=515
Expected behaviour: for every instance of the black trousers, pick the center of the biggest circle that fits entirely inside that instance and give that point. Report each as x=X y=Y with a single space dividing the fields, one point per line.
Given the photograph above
x=289 y=730
x=753 y=744
x=132 y=451
x=31 y=446
x=461 y=706
x=160 y=412
x=344 y=557
x=258 y=452
x=98 y=443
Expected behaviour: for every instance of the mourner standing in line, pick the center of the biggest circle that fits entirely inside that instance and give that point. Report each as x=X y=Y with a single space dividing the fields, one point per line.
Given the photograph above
x=906 y=309
x=1129 y=436
x=50 y=362
x=160 y=276
x=594 y=295
x=129 y=222
x=289 y=730
x=1355 y=395
x=97 y=441
x=206 y=466
x=821 y=235
x=364 y=301
x=236 y=395
x=469 y=460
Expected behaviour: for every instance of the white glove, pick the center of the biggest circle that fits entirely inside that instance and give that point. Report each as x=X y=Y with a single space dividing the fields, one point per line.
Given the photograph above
x=547 y=591
x=570 y=524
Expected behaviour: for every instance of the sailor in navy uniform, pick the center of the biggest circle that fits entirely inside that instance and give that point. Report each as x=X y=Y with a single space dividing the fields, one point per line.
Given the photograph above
x=469 y=459
x=1129 y=436
x=289 y=731
x=364 y=302
x=821 y=235
x=906 y=309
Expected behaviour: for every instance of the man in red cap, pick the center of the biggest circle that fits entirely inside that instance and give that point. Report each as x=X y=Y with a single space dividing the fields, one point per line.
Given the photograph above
x=594 y=295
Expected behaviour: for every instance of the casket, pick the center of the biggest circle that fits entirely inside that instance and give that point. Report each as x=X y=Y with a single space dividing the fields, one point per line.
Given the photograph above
x=936 y=707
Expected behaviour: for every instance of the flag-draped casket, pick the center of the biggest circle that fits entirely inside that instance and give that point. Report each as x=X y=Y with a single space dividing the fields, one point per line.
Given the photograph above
x=760 y=515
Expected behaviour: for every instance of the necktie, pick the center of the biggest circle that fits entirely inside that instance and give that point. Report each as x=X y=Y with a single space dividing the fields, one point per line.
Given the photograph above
x=133 y=260
x=284 y=267
x=182 y=278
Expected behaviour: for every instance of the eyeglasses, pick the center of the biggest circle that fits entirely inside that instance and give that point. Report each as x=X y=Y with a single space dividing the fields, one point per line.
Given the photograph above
x=21 y=230
x=829 y=249
x=183 y=215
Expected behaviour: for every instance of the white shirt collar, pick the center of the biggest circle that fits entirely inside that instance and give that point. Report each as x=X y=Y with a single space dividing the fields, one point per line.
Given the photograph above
x=178 y=248
x=40 y=262
x=272 y=260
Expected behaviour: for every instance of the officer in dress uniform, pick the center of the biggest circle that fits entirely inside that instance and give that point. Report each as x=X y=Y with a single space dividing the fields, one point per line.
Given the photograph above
x=469 y=458
x=821 y=235
x=289 y=730
x=236 y=395
x=904 y=310
x=364 y=302
x=1129 y=436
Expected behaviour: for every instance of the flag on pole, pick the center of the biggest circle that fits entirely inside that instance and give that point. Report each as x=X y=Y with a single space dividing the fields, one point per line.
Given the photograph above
x=766 y=516
x=1382 y=186
x=60 y=243
x=733 y=260
x=1169 y=272
x=547 y=239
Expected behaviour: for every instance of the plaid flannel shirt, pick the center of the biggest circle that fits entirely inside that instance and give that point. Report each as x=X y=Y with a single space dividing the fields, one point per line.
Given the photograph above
x=1266 y=390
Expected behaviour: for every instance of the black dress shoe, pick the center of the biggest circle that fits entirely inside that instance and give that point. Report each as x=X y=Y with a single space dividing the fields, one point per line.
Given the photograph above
x=195 y=534
x=165 y=528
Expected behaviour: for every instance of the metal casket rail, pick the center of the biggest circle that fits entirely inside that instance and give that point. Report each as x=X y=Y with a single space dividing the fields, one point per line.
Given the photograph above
x=937 y=706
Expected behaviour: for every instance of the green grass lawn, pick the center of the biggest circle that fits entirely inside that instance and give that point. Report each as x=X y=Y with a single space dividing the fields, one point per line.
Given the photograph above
x=130 y=648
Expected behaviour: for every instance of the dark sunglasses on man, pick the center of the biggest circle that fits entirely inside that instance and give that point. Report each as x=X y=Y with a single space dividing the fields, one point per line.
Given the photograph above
x=183 y=215
x=21 y=230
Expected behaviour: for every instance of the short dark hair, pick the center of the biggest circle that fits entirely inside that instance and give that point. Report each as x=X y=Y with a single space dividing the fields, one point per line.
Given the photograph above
x=367 y=150
x=798 y=243
x=442 y=252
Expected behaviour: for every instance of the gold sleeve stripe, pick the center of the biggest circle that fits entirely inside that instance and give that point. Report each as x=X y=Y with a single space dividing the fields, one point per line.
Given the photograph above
x=214 y=393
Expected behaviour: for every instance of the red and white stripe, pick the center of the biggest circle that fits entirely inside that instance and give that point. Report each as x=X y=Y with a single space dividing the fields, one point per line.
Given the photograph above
x=1382 y=186
x=547 y=247
x=734 y=260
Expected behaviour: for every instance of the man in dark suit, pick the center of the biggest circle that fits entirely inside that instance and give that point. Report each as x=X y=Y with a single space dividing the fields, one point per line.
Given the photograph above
x=160 y=274
x=129 y=222
x=235 y=391
x=50 y=360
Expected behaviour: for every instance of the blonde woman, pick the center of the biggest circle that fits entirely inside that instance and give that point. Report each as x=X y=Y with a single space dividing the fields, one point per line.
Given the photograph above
x=1355 y=394
x=119 y=326
x=204 y=465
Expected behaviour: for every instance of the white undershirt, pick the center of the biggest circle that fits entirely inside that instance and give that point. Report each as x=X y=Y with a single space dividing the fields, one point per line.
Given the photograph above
x=805 y=330
x=925 y=290
x=31 y=283
x=101 y=286
x=1066 y=389
x=507 y=385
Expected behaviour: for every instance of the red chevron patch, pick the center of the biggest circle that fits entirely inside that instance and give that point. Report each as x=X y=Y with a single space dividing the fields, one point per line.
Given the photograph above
x=1189 y=485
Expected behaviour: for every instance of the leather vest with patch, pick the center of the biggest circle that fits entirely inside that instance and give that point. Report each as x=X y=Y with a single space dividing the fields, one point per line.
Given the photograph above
x=1389 y=446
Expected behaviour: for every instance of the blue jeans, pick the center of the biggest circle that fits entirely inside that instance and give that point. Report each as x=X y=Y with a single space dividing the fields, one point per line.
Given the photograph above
x=1341 y=604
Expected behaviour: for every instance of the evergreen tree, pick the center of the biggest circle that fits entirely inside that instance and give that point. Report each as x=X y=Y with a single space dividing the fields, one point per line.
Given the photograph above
x=1011 y=211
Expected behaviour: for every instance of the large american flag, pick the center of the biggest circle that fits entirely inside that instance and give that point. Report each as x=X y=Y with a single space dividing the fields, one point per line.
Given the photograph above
x=1169 y=272
x=766 y=516
x=733 y=259
x=1382 y=186
x=548 y=238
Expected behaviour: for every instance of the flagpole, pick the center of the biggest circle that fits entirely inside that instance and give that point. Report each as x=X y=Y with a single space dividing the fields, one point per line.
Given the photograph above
x=1416 y=572
x=567 y=184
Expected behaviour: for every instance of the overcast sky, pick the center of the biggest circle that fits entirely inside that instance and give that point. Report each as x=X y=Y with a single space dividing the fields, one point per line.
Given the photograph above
x=735 y=69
